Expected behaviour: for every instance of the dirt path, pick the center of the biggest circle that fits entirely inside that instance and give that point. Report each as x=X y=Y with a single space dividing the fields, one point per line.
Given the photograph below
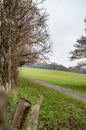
x=76 y=95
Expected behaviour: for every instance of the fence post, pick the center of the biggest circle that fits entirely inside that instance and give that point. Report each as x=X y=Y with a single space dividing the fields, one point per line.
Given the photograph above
x=34 y=115
x=20 y=115
x=3 y=107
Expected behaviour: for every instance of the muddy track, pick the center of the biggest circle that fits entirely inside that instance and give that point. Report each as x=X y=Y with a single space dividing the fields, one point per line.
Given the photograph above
x=76 y=95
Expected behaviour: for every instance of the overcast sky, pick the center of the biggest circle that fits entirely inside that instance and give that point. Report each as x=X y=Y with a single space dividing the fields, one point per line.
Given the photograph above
x=66 y=23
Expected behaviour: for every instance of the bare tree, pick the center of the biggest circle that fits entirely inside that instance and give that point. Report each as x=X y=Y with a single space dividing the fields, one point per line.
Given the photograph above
x=24 y=35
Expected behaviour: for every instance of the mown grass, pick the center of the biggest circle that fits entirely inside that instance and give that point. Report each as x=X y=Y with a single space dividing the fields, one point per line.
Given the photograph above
x=58 y=111
x=70 y=80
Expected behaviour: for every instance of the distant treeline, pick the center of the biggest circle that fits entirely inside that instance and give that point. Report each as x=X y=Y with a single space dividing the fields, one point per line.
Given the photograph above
x=55 y=66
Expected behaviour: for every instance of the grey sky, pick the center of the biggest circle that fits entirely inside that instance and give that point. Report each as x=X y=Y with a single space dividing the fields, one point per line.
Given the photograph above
x=66 y=23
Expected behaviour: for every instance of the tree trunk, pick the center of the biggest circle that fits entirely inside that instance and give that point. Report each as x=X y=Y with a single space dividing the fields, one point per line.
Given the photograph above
x=9 y=65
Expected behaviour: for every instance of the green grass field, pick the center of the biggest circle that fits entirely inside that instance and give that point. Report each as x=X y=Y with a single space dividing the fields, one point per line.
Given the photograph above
x=58 y=111
x=70 y=80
